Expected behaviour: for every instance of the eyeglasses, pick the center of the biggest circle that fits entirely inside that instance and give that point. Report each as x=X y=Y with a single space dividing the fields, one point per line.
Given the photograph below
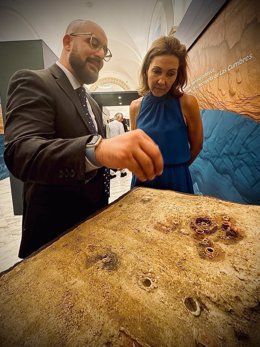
x=95 y=44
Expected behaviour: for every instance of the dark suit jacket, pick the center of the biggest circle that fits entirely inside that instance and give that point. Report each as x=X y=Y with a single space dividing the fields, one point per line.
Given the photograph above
x=45 y=136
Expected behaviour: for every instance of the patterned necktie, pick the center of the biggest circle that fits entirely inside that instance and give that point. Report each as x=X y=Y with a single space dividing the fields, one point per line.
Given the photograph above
x=83 y=100
x=106 y=175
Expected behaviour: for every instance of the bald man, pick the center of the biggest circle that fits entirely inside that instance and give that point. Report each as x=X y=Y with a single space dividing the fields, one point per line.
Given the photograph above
x=55 y=140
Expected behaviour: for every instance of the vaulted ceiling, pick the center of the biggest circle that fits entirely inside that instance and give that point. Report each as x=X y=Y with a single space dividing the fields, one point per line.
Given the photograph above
x=131 y=25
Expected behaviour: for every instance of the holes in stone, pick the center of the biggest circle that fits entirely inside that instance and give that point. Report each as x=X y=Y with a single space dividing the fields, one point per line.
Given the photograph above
x=226 y=225
x=206 y=242
x=209 y=249
x=210 y=252
x=203 y=225
x=147 y=282
x=192 y=305
x=231 y=231
x=225 y=218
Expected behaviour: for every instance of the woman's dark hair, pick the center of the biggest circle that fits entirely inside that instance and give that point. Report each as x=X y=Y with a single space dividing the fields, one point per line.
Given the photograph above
x=166 y=45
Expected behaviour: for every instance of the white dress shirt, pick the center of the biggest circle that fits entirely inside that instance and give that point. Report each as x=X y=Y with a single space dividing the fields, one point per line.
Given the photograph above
x=91 y=162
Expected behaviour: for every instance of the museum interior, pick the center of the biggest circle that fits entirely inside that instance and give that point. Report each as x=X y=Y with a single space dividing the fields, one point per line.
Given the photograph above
x=156 y=266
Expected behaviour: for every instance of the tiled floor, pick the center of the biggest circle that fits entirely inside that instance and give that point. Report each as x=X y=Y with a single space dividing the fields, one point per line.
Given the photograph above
x=10 y=225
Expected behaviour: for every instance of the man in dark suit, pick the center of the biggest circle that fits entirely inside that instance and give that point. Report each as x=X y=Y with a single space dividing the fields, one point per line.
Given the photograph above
x=57 y=147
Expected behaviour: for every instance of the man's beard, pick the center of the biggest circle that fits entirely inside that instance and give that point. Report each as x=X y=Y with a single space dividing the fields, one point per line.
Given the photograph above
x=82 y=72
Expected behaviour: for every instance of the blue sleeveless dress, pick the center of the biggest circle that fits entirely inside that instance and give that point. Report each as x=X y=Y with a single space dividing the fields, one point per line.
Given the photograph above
x=161 y=118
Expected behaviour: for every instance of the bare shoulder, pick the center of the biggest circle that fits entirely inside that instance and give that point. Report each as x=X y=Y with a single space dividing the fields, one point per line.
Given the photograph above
x=190 y=108
x=134 y=110
x=135 y=104
x=188 y=101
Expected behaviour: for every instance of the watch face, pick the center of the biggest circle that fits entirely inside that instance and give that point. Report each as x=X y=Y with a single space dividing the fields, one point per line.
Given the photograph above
x=95 y=140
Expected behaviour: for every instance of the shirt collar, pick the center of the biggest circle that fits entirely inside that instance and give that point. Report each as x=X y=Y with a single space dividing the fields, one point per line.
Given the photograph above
x=73 y=80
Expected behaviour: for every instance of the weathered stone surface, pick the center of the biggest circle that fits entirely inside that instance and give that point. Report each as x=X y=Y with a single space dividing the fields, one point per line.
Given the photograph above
x=156 y=268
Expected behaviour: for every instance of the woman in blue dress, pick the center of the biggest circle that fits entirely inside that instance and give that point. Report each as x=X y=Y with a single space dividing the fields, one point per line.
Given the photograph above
x=167 y=114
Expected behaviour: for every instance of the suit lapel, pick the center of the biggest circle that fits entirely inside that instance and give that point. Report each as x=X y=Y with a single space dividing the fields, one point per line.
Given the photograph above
x=66 y=86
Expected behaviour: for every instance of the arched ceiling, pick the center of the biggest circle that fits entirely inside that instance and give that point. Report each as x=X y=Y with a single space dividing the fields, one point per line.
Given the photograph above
x=130 y=25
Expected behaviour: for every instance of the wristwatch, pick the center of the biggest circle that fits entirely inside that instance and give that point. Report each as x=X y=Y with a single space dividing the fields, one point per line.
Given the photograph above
x=90 y=151
x=94 y=142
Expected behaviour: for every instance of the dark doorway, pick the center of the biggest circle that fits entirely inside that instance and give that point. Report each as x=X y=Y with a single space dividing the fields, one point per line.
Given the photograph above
x=114 y=98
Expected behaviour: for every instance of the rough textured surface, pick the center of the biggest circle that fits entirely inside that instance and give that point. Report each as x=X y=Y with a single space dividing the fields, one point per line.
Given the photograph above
x=156 y=268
